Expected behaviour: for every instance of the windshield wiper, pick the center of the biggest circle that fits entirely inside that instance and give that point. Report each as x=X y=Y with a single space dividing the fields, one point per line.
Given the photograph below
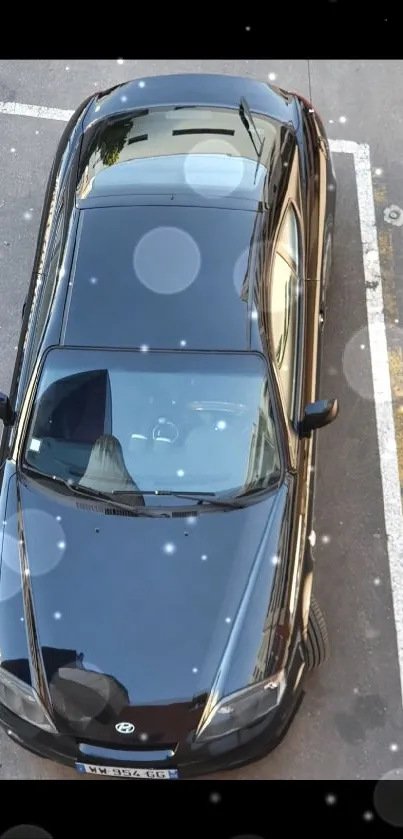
x=248 y=122
x=89 y=492
x=200 y=497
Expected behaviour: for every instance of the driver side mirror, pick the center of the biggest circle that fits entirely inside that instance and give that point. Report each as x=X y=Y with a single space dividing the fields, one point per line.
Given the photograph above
x=317 y=415
x=6 y=412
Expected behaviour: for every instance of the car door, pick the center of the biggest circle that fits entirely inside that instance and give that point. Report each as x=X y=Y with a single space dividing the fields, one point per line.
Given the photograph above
x=287 y=307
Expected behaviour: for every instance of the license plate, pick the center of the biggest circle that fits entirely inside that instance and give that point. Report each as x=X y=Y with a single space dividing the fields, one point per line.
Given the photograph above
x=128 y=772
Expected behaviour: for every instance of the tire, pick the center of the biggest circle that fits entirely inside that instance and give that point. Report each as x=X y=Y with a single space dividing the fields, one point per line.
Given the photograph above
x=317 y=644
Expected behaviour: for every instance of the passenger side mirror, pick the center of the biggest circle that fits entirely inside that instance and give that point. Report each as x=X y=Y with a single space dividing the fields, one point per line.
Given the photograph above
x=6 y=411
x=317 y=415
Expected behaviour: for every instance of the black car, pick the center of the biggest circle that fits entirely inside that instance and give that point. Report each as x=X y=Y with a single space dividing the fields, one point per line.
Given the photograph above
x=156 y=609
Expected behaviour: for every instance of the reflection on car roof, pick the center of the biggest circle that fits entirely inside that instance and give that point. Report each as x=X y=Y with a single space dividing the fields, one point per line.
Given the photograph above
x=162 y=276
x=204 y=175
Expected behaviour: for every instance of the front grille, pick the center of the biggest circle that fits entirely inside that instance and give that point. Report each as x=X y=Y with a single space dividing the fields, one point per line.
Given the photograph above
x=149 y=746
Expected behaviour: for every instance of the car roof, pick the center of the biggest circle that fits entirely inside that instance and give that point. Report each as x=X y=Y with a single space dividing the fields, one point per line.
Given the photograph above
x=163 y=276
x=170 y=185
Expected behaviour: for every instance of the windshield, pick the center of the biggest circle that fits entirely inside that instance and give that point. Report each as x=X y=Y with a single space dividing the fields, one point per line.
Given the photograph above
x=132 y=421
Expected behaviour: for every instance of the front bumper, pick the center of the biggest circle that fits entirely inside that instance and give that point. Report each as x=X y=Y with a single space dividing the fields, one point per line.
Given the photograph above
x=191 y=759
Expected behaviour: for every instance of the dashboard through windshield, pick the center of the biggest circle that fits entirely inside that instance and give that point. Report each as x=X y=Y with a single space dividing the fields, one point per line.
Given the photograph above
x=148 y=421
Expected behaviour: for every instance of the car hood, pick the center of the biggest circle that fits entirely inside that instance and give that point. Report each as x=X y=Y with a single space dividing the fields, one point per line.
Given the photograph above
x=146 y=606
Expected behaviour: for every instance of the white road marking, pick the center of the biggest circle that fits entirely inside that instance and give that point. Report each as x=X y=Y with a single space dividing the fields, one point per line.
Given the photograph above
x=343 y=146
x=37 y=111
x=392 y=502
x=385 y=425
x=378 y=352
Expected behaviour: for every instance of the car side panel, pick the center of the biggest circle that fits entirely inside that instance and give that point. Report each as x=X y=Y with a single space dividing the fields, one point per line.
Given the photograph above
x=319 y=197
x=320 y=202
x=307 y=187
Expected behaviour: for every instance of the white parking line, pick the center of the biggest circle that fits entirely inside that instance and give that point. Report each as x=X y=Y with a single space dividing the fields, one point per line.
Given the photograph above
x=37 y=111
x=343 y=146
x=378 y=351
x=385 y=425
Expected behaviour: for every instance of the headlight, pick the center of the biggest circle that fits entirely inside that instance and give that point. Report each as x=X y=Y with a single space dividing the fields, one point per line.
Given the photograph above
x=23 y=701
x=241 y=709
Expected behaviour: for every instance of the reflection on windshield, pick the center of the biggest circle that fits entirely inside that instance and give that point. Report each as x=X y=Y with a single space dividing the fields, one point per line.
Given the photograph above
x=106 y=470
x=142 y=422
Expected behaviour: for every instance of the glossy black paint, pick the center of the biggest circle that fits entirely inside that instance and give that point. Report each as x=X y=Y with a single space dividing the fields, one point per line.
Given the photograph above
x=201 y=89
x=168 y=610
x=317 y=415
x=163 y=630
x=133 y=314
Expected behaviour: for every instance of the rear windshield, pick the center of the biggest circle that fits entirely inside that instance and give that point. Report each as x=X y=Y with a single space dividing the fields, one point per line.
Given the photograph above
x=206 y=150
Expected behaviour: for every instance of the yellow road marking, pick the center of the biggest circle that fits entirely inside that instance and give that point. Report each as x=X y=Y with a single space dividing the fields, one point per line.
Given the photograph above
x=395 y=354
x=385 y=242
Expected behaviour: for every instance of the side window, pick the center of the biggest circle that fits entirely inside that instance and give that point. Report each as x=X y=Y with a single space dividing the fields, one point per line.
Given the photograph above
x=284 y=306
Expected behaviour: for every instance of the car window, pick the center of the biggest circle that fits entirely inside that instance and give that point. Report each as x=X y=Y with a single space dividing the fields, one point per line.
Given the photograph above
x=284 y=307
x=205 y=149
x=289 y=240
x=146 y=421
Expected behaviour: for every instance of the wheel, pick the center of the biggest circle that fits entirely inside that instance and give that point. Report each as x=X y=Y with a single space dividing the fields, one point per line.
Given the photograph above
x=317 y=644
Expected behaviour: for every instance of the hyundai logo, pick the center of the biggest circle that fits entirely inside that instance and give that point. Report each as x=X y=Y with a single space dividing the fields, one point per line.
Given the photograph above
x=125 y=727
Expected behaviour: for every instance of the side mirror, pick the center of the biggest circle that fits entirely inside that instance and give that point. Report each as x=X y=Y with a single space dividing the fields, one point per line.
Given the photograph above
x=6 y=411
x=317 y=415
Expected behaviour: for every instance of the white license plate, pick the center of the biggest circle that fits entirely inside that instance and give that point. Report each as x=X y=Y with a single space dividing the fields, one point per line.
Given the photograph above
x=128 y=772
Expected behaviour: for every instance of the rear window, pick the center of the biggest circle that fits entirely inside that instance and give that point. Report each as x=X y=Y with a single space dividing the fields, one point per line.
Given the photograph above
x=205 y=150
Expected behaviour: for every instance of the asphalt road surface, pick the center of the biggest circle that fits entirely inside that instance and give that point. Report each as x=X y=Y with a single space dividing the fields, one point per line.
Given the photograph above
x=350 y=725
